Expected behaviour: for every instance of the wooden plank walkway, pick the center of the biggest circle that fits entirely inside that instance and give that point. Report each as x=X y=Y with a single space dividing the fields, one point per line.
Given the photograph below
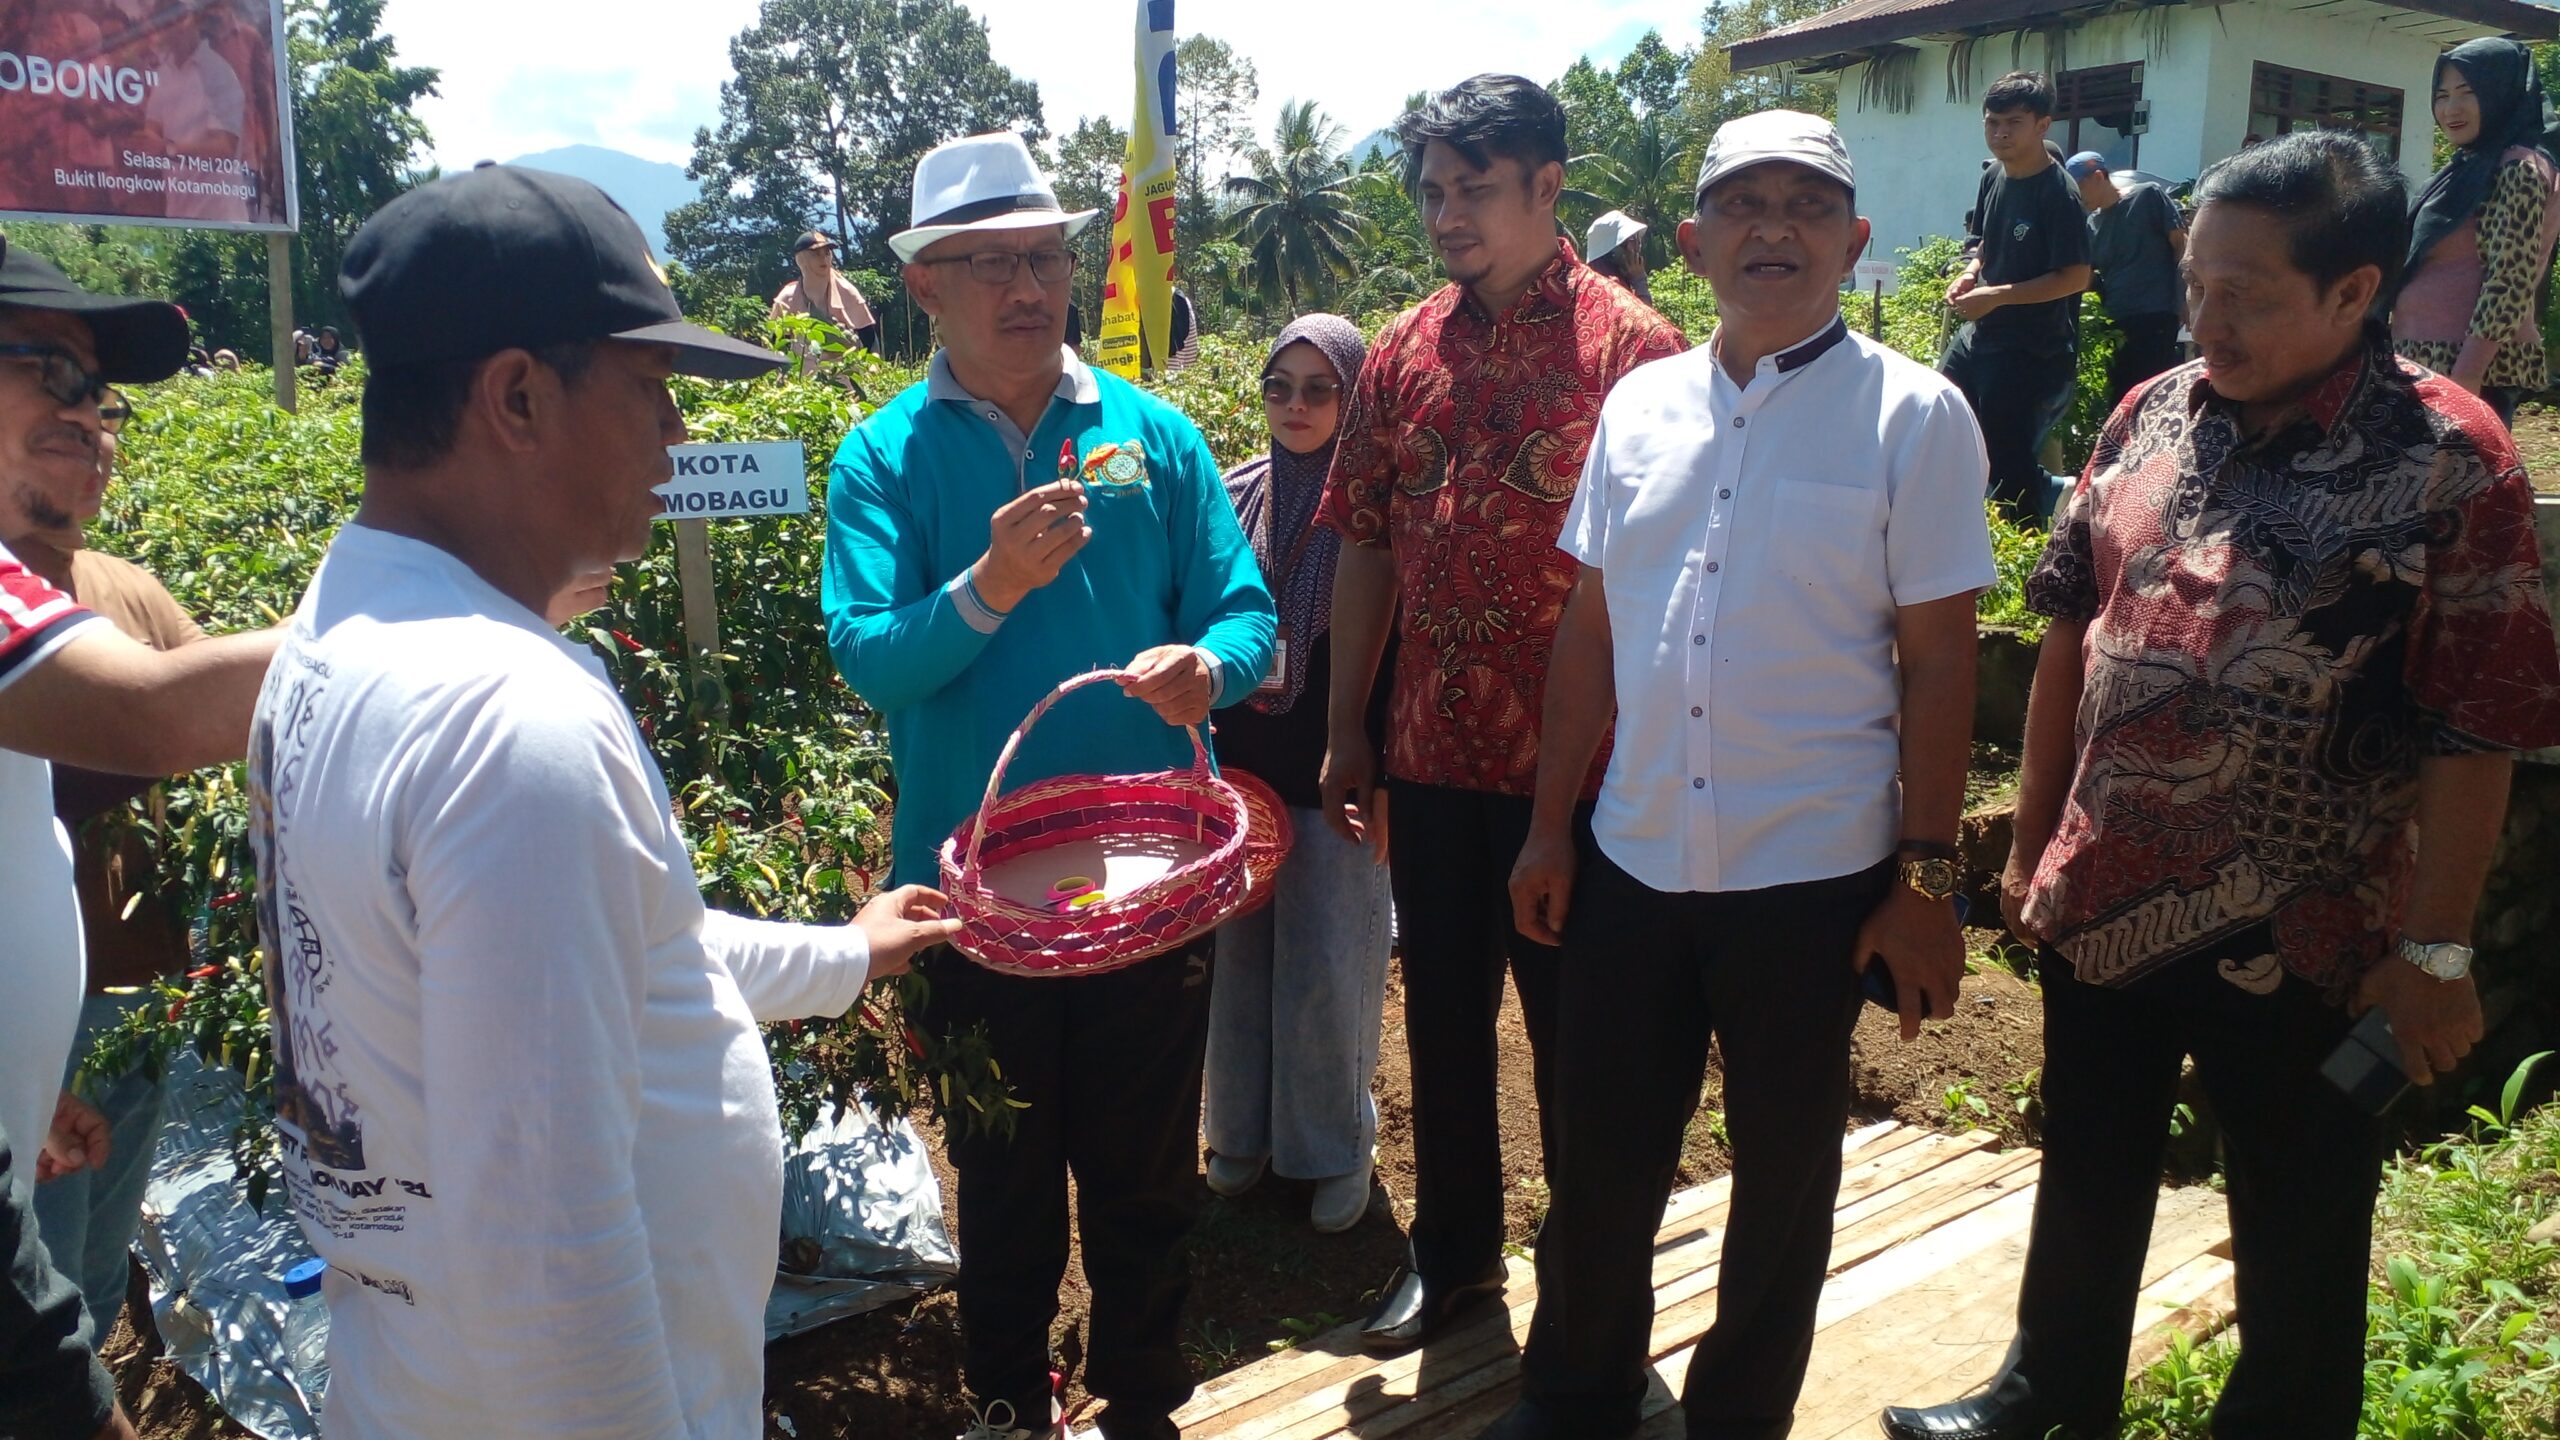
x=1931 y=1234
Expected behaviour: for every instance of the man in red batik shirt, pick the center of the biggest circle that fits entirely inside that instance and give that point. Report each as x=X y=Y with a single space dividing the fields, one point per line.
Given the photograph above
x=1460 y=451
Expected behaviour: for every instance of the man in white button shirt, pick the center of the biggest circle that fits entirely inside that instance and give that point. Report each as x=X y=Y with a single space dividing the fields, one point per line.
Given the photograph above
x=1781 y=536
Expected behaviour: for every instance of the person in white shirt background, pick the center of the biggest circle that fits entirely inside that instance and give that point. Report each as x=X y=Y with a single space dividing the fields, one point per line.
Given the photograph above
x=1781 y=536
x=525 y=1113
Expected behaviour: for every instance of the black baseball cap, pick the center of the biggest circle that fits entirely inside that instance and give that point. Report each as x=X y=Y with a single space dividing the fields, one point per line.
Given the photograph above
x=138 y=341
x=814 y=240
x=500 y=257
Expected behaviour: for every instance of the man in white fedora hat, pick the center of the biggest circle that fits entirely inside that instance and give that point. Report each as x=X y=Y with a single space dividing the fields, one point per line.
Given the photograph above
x=1011 y=521
x=1614 y=246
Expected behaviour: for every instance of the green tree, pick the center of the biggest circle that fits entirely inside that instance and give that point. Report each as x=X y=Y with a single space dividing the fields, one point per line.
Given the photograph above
x=1716 y=93
x=357 y=144
x=1295 y=211
x=1647 y=173
x=1652 y=75
x=1597 y=116
x=1214 y=90
x=1399 y=267
x=1087 y=173
x=830 y=106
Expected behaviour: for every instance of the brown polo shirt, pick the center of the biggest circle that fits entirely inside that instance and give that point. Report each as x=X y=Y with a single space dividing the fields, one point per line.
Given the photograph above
x=115 y=859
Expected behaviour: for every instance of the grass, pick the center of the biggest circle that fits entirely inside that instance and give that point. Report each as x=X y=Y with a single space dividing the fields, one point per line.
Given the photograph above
x=2463 y=1315
x=2537 y=432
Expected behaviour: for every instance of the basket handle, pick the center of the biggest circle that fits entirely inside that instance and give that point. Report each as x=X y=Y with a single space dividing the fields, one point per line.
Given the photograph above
x=1013 y=743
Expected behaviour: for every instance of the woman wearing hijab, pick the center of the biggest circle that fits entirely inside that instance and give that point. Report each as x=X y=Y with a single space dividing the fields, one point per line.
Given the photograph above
x=1294 y=1009
x=2470 y=302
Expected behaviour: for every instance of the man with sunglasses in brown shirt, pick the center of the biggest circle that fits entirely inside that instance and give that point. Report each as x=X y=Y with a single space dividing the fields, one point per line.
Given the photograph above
x=133 y=930
x=76 y=692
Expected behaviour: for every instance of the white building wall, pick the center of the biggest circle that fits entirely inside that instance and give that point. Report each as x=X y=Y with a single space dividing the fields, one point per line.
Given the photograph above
x=1917 y=170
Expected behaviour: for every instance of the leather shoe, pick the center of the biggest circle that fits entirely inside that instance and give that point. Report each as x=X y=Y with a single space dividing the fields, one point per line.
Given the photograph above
x=2006 y=1411
x=1414 y=1311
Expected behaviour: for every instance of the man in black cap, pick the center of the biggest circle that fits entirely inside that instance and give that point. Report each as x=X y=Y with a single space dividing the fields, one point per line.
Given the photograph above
x=524 y=1109
x=77 y=691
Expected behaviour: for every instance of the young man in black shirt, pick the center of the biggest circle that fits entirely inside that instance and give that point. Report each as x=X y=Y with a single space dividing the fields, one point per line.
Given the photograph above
x=2016 y=358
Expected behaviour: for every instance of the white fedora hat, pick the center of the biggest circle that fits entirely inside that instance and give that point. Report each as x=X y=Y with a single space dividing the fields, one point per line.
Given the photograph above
x=984 y=182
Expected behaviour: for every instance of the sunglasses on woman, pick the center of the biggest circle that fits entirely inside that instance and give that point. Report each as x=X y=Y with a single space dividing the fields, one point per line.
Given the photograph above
x=63 y=377
x=1276 y=390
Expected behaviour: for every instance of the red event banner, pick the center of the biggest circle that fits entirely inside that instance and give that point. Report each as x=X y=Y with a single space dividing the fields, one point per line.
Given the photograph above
x=146 y=112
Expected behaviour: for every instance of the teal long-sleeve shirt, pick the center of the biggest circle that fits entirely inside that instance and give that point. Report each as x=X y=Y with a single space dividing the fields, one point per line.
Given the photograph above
x=909 y=500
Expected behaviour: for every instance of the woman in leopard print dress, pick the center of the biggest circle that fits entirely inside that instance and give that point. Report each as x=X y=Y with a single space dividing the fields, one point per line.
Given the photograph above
x=2470 y=300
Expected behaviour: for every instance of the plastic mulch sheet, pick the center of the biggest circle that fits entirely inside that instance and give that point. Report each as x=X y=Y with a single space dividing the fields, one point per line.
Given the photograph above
x=862 y=1227
x=861 y=1223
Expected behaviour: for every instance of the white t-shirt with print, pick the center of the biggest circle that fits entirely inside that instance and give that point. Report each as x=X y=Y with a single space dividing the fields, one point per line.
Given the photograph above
x=526 y=1114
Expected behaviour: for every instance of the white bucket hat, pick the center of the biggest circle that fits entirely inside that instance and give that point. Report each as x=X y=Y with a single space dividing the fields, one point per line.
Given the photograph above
x=1609 y=232
x=984 y=182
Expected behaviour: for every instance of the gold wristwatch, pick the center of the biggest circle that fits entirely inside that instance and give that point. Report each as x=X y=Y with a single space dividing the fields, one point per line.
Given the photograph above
x=1929 y=868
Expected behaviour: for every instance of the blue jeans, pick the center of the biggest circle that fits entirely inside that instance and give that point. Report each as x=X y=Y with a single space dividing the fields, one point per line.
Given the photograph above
x=88 y=1219
x=1294 y=1012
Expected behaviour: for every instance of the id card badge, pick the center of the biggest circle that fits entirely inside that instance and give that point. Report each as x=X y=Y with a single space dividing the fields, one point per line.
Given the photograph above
x=1278 y=679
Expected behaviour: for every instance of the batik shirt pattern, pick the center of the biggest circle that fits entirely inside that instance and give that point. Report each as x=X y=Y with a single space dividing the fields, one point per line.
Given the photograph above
x=2279 y=631
x=1461 y=447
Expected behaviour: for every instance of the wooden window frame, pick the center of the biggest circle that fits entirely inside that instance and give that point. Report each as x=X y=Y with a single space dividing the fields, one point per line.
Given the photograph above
x=2117 y=90
x=2327 y=102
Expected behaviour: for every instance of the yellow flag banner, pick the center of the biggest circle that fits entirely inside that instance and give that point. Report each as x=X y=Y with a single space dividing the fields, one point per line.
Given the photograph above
x=1138 y=291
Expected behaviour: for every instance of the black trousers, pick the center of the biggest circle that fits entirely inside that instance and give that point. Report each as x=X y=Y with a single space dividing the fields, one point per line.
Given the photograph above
x=1449 y=858
x=2146 y=346
x=2302 y=1164
x=1648 y=978
x=2016 y=396
x=1111 y=1067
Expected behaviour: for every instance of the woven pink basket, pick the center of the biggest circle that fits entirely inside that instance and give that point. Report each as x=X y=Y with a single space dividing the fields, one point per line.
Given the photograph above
x=1164 y=852
x=1267 y=836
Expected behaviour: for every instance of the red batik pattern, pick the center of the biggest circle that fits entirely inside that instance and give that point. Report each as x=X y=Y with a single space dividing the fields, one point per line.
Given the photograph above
x=2277 y=634
x=1461 y=448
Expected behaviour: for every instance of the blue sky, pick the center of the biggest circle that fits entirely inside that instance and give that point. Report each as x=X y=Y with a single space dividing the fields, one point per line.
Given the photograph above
x=527 y=75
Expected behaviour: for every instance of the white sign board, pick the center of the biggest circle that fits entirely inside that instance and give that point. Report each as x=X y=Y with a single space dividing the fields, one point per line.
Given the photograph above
x=1872 y=273
x=719 y=482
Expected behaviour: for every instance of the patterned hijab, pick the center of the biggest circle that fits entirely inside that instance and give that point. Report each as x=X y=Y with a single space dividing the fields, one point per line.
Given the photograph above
x=2513 y=112
x=1276 y=499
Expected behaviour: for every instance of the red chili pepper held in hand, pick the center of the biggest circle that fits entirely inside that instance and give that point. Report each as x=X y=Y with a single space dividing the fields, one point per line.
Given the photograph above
x=1067 y=460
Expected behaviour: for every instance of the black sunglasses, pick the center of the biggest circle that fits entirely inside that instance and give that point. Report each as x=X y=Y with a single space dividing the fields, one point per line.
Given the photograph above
x=113 y=410
x=63 y=377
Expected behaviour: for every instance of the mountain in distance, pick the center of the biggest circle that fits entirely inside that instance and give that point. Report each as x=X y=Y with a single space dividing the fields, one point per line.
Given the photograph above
x=1376 y=142
x=646 y=188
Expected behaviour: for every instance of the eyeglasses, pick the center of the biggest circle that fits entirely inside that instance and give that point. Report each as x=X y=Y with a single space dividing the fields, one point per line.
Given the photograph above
x=998 y=267
x=113 y=410
x=63 y=377
x=1276 y=390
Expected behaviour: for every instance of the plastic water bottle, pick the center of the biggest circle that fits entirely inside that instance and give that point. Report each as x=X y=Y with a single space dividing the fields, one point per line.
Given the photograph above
x=306 y=1328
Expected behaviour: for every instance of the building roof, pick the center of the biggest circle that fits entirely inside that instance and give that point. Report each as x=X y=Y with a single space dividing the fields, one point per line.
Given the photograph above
x=1845 y=34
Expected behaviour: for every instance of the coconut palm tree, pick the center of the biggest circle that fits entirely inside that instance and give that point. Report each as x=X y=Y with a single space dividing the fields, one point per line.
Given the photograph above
x=1645 y=172
x=1296 y=214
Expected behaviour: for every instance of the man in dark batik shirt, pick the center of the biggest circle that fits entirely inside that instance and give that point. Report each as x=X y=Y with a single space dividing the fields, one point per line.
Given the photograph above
x=2299 y=633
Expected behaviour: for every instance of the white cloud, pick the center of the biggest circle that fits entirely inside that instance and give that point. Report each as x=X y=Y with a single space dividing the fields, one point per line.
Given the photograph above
x=527 y=75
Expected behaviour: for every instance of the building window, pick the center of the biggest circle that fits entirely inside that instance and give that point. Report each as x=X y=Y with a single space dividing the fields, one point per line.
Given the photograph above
x=2282 y=101
x=2100 y=109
